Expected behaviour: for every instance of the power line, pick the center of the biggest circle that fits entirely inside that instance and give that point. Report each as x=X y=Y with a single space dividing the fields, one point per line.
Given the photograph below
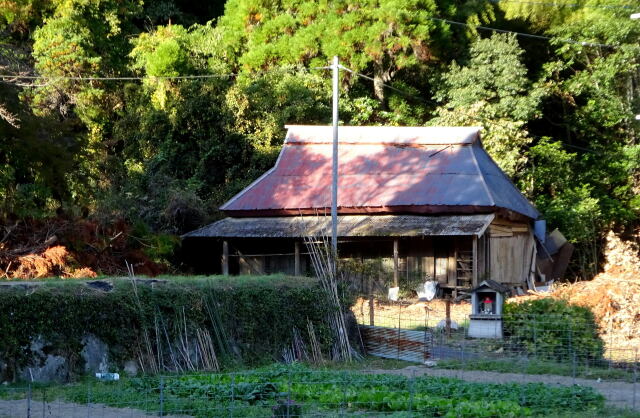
x=573 y=5
x=15 y=77
x=404 y=93
x=3 y=77
x=11 y=77
x=491 y=122
x=130 y=78
x=523 y=34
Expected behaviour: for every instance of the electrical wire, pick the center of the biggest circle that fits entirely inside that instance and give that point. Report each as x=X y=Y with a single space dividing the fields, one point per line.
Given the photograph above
x=14 y=77
x=4 y=77
x=490 y=122
x=11 y=77
x=523 y=34
x=131 y=78
x=404 y=93
x=573 y=5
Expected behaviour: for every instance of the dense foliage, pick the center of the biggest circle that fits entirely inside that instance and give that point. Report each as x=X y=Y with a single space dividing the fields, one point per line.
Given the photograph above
x=268 y=391
x=558 y=115
x=151 y=317
x=553 y=329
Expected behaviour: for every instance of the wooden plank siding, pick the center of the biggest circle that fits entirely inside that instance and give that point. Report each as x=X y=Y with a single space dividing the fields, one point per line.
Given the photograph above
x=503 y=253
x=510 y=252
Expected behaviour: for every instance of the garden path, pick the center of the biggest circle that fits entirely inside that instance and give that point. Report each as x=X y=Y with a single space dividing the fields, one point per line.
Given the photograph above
x=60 y=409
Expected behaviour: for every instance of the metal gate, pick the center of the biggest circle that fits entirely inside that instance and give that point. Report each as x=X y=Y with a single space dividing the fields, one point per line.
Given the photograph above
x=397 y=343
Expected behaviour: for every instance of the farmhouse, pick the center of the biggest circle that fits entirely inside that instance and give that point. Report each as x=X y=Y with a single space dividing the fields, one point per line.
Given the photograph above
x=426 y=203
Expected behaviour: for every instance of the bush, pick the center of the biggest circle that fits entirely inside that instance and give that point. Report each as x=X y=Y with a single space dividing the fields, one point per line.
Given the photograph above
x=553 y=329
x=247 y=320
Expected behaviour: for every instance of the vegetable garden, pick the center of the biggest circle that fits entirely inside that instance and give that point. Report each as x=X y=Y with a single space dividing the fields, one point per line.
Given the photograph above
x=297 y=390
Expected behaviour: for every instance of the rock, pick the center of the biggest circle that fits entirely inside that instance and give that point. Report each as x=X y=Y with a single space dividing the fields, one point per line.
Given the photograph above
x=131 y=367
x=430 y=363
x=44 y=368
x=103 y=285
x=443 y=324
x=95 y=354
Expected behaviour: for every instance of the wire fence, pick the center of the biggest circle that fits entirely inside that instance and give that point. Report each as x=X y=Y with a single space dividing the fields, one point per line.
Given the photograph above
x=297 y=392
x=555 y=349
x=535 y=365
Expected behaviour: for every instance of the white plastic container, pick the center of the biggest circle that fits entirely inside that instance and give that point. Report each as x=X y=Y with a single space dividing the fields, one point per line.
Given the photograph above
x=108 y=376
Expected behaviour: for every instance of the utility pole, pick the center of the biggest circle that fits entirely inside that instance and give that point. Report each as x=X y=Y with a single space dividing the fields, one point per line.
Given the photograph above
x=635 y=16
x=334 y=172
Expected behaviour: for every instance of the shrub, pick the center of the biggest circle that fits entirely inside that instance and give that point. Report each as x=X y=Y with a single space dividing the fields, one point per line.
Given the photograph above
x=553 y=329
x=248 y=319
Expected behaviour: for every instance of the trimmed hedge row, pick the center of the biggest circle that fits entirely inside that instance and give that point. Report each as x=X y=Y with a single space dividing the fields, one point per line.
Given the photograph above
x=249 y=319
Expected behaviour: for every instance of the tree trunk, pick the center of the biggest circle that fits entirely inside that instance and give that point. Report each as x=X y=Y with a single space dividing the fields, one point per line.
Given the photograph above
x=378 y=81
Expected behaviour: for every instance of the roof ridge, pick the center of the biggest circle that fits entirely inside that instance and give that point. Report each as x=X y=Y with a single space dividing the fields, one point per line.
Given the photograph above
x=256 y=181
x=396 y=135
x=484 y=183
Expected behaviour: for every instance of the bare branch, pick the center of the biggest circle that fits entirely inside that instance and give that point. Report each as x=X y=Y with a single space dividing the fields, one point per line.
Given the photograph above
x=9 y=117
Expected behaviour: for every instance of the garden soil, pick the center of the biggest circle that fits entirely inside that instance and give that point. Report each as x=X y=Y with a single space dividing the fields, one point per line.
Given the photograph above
x=59 y=409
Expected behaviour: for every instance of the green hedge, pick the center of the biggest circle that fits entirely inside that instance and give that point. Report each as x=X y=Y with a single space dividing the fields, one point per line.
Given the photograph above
x=554 y=329
x=249 y=319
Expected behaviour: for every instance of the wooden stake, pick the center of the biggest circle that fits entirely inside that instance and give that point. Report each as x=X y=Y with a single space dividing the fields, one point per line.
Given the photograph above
x=474 y=260
x=371 y=308
x=395 y=263
x=448 y=317
x=225 y=258
x=296 y=262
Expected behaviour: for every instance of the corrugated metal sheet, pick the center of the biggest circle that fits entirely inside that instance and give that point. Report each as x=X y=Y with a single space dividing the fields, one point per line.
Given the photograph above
x=382 y=170
x=396 y=343
x=348 y=226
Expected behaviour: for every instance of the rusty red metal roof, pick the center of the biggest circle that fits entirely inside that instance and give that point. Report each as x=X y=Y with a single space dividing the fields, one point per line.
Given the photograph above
x=427 y=170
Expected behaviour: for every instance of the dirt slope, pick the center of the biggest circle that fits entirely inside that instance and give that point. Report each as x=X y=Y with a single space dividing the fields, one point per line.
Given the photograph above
x=613 y=296
x=70 y=248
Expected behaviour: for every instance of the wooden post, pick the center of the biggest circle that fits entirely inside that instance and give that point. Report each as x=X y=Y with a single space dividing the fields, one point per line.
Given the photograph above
x=225 y=258
x=474 y=260
x=296 y=263
x=447 y=313
x=395 y=263
x=371 y=307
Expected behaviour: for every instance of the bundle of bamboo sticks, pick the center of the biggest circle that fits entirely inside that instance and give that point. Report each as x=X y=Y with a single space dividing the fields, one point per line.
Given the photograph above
x=325 y=264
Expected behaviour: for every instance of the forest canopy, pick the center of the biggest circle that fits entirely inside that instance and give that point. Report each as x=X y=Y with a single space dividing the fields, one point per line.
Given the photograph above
x=156 y=112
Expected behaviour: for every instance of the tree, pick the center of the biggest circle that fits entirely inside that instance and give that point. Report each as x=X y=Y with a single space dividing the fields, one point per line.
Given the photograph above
x=83 y=39
x=492 y=90
x=384 y=36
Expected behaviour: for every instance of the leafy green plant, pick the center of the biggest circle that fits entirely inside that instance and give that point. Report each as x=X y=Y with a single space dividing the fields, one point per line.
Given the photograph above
x=297 y=390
